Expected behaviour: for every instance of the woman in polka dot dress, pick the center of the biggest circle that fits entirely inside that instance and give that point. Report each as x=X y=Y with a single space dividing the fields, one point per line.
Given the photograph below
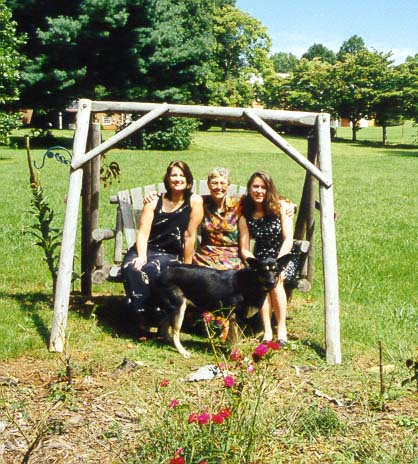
x=265 y=221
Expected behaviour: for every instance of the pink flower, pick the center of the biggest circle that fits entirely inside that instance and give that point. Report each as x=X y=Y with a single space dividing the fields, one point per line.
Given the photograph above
x=225 y=413
x=164 y=383
x=235 y=355
x=229 y=381
x=260 y=352
x=179 y=451
x=208 y=317
x=250 y=367
x=273 y=345
x=203 y=418
x=218 y=419
x=173 y=404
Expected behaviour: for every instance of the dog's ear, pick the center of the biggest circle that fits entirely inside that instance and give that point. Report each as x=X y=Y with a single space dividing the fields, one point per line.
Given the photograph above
x=283 y=261
x=252 y=262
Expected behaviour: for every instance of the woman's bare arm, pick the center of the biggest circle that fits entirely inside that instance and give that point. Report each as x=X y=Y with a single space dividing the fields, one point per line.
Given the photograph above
x=196 y=217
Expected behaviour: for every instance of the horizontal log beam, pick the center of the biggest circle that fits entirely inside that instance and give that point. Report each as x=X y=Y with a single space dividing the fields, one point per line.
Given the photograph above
x=302 y=118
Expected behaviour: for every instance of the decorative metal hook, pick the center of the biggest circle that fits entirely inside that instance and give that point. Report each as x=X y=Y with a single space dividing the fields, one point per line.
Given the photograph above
x=61 y=158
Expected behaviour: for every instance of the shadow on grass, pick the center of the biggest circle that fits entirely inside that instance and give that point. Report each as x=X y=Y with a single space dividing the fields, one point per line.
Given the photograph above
x=31 y=304
x=395 y=149
x=316 y=347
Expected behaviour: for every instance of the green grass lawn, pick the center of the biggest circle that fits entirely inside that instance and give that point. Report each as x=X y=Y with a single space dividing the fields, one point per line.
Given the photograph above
x=376 y=201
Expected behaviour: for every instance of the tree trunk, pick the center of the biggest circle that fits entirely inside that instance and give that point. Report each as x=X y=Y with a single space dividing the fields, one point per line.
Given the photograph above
x=354 y=130
x=384 y=135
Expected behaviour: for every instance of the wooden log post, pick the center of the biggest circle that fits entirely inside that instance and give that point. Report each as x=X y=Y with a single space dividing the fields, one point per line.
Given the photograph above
x=65 y=269
x=310 y=225
x=90 y=213
x=329 y=246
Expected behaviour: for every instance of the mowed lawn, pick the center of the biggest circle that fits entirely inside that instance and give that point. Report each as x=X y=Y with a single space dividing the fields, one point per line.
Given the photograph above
x=115 y=409
x=376 y=200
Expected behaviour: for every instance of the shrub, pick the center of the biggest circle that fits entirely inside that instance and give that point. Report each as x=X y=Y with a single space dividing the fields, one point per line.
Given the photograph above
x=165 y=134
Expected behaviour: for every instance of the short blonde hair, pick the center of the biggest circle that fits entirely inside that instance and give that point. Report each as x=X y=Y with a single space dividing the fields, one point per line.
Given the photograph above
x=219 y=172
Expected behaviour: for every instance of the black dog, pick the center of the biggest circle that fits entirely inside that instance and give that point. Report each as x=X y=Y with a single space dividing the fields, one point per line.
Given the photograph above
x=211 y=289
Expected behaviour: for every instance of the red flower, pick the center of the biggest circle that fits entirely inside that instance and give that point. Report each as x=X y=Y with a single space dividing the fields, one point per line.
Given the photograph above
x=259 y=352
x=273 y=345
x=203 y=462
x=218 y=419
x=229 y=381
x=173 y=404
x=225 y=413
x=192 y=418
x=178 y=460
x=164 y=383
x=235 y=355
x=203 y=418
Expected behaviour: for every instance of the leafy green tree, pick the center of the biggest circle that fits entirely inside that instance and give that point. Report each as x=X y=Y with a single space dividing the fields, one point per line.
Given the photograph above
x=10 y=42
x=358 y=81
x=389 y=104
x=240 y=58
x=308 y=88
x=353 y=45
x=321 y=52
x=284 y=62
x=409 y=86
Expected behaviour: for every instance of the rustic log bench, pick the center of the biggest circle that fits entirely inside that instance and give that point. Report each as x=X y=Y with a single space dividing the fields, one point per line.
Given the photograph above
x=129 y=207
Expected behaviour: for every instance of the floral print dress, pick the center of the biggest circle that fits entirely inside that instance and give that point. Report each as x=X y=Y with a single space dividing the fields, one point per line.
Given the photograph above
x=219 y=230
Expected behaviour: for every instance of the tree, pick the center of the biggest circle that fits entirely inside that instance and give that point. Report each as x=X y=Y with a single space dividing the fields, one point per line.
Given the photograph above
x=240 y=58
x=321 y=52
x=409 y=86
x=10 y=42
x=116 y=49
x=353 y=45
x=284 y=62
x=389 y=104
x=309 y=87
x=358 y=81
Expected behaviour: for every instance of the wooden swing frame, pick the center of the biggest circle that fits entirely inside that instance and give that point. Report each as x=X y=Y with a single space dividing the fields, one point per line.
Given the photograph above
x=84 y=182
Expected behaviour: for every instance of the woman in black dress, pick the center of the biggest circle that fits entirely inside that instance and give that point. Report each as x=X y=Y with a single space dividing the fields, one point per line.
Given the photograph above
x=163 y=225
x=265 y=221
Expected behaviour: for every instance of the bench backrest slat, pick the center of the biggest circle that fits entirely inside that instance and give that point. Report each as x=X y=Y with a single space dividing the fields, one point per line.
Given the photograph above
x=137 y=203
x=129 y=226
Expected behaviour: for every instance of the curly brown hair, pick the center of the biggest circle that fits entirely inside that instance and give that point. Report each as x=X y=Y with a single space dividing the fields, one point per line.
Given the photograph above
x=271 y=203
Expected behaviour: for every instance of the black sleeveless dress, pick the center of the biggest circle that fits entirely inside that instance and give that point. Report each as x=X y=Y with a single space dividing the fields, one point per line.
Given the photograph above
x=165 y=247
x=267 y=233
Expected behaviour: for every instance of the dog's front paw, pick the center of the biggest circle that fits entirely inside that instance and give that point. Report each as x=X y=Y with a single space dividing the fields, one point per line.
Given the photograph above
x=186 y=354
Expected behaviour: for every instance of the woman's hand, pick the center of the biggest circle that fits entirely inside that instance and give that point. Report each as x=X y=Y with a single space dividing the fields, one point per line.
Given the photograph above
x=150 y=196
x=138 y=263
x=290 y=209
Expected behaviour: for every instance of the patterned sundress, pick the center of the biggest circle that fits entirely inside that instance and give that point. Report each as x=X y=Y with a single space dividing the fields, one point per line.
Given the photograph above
x=219 y=230
x=267 y=235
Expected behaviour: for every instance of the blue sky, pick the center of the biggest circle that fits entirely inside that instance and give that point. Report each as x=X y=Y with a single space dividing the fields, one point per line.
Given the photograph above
x=295 y=25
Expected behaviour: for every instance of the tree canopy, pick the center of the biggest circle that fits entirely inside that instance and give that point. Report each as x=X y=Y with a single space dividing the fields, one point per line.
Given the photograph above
x=320 y=51
x=10 y=42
